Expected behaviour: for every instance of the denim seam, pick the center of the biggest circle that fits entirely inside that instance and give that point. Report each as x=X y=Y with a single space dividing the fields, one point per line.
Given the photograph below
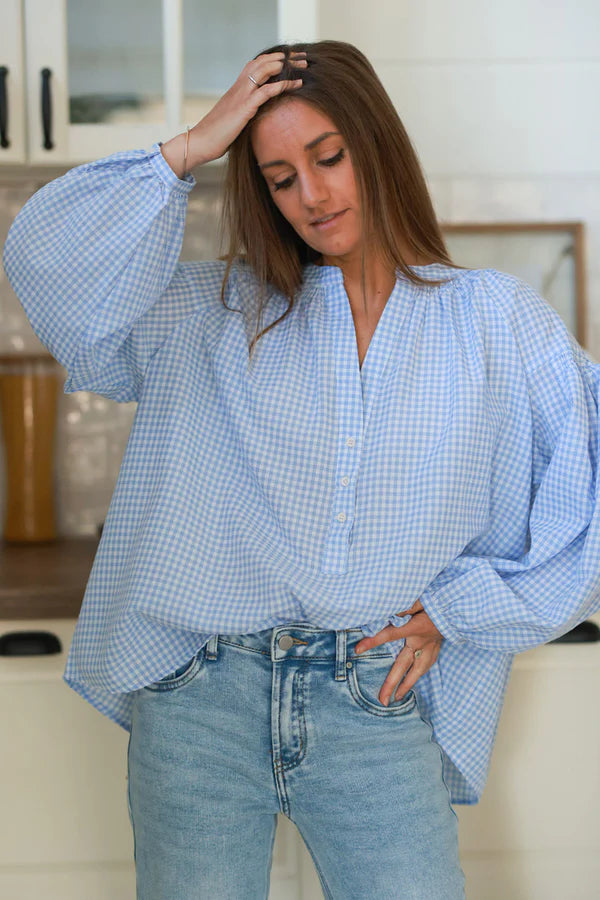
x=372 y=708
x=365 y=655
x=324 y=885
x=270 y=860
x=439 y=749
x=222 y=640
x=159 y=687
x=129 y=807
x=300 y=755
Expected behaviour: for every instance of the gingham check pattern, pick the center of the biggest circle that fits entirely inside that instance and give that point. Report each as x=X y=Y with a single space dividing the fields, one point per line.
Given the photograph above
x=458 y=466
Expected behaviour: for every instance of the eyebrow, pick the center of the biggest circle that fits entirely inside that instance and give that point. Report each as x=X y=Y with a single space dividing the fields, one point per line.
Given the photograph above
x=309 y=146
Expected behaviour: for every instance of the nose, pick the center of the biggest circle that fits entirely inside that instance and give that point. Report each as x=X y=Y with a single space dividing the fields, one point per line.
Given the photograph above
x=313 y=188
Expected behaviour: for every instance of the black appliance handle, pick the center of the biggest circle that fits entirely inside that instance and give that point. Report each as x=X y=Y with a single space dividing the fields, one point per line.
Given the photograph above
x=4 y=141
x=47 y=109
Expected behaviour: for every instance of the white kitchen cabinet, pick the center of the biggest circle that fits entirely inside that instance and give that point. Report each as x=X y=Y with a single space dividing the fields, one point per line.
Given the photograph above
x=95 y=78
x=12 y=84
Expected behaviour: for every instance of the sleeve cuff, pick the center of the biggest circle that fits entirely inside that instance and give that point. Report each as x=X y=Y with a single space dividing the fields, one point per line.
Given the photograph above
x=166 y=173
x=431 y=606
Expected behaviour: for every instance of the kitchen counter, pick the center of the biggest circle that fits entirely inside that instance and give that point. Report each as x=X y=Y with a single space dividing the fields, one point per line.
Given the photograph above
x=45 y=580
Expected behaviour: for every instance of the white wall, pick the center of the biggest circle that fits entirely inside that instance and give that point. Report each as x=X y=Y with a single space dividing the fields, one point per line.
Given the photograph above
x=500 y=101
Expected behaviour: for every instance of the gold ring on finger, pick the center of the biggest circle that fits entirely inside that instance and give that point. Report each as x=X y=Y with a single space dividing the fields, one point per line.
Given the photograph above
x=417 y=653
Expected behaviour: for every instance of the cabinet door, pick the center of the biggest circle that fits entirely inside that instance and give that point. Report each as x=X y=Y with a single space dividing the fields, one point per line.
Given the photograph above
x=123 y=74
x=12 y=90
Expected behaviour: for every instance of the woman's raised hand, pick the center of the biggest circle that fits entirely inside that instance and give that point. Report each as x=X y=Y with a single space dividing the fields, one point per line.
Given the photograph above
x=210 y=138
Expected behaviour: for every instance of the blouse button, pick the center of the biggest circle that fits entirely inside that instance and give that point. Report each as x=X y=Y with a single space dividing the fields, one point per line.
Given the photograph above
x=345 y=480
x=350 y=442
x=341 y=517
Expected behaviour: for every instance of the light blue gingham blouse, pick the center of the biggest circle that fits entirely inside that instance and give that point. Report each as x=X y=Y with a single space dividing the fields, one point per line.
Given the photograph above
x=458 y=465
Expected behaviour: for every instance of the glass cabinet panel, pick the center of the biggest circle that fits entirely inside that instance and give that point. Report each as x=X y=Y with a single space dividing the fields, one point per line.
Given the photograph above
x=115 y=61
x=218 y=40
x=108 y=75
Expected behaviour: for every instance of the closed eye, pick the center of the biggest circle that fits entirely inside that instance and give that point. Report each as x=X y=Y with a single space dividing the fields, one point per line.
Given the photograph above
x=331 y=161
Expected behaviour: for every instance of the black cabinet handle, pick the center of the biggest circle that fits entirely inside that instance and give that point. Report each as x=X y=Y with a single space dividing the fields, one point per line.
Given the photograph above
x=47 y=109
x=29 y=643
x=4 y=141
x=583 y=633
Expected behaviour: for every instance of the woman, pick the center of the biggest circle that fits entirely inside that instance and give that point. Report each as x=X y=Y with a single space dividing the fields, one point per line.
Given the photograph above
x=360 y=479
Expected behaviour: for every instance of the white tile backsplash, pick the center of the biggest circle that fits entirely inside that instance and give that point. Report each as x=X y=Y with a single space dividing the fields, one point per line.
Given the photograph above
x=496 y=199
x=505 y=118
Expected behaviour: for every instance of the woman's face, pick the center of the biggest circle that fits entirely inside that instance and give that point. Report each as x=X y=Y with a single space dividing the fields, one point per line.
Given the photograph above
x=308 y=171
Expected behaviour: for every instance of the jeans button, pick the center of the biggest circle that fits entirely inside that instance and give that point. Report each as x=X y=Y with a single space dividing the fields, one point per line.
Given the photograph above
x=285 y=642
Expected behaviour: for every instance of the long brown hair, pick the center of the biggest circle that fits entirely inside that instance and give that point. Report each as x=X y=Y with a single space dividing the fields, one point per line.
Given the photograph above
x=340 y=82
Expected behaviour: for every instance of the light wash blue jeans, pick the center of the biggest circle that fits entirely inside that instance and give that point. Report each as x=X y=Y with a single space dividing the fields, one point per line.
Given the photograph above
x=287 y=720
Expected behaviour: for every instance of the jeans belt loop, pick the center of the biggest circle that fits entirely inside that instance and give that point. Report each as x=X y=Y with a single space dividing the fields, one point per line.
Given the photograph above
x=211 y=647
x=340 y=655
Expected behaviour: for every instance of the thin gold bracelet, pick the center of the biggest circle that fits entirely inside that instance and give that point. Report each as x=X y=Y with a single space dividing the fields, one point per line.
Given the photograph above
x=185 y=153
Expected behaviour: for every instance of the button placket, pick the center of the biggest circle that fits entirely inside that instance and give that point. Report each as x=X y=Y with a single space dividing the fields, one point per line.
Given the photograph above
x=345 y=480
x=342 y=515
x=349 y=407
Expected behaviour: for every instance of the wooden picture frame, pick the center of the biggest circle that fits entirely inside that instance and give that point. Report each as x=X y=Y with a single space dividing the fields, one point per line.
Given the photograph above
x=550 y=256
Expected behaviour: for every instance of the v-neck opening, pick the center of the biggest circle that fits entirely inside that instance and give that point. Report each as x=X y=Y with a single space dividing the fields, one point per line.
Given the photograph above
x=364 y=381
x=375 y=340
x=333 y=276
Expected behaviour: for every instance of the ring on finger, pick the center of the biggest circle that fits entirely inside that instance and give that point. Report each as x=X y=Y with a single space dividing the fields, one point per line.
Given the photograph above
x=253 y=80
x=417 y=653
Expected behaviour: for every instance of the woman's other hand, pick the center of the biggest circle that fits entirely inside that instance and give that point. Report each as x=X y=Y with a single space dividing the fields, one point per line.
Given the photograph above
x=212 y=135
x=420 y=634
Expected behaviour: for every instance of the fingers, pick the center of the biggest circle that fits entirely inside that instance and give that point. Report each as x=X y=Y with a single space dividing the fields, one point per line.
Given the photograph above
x=214 y=133
x=404 y=663
x=406 y=671
x=420 y=625
x=390 y=633
x=264 y=89
x=418 y=668
x=267 y=91
x=269 y=64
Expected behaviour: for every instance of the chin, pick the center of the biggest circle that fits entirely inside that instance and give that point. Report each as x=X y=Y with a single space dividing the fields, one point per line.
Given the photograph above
x=337 y=248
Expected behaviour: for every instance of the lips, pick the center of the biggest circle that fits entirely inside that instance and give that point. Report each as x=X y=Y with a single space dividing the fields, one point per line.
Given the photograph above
x=326 y=220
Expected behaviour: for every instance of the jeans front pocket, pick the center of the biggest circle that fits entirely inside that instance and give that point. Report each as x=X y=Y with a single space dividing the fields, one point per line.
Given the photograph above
x=181 y=675
x=365 y=680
